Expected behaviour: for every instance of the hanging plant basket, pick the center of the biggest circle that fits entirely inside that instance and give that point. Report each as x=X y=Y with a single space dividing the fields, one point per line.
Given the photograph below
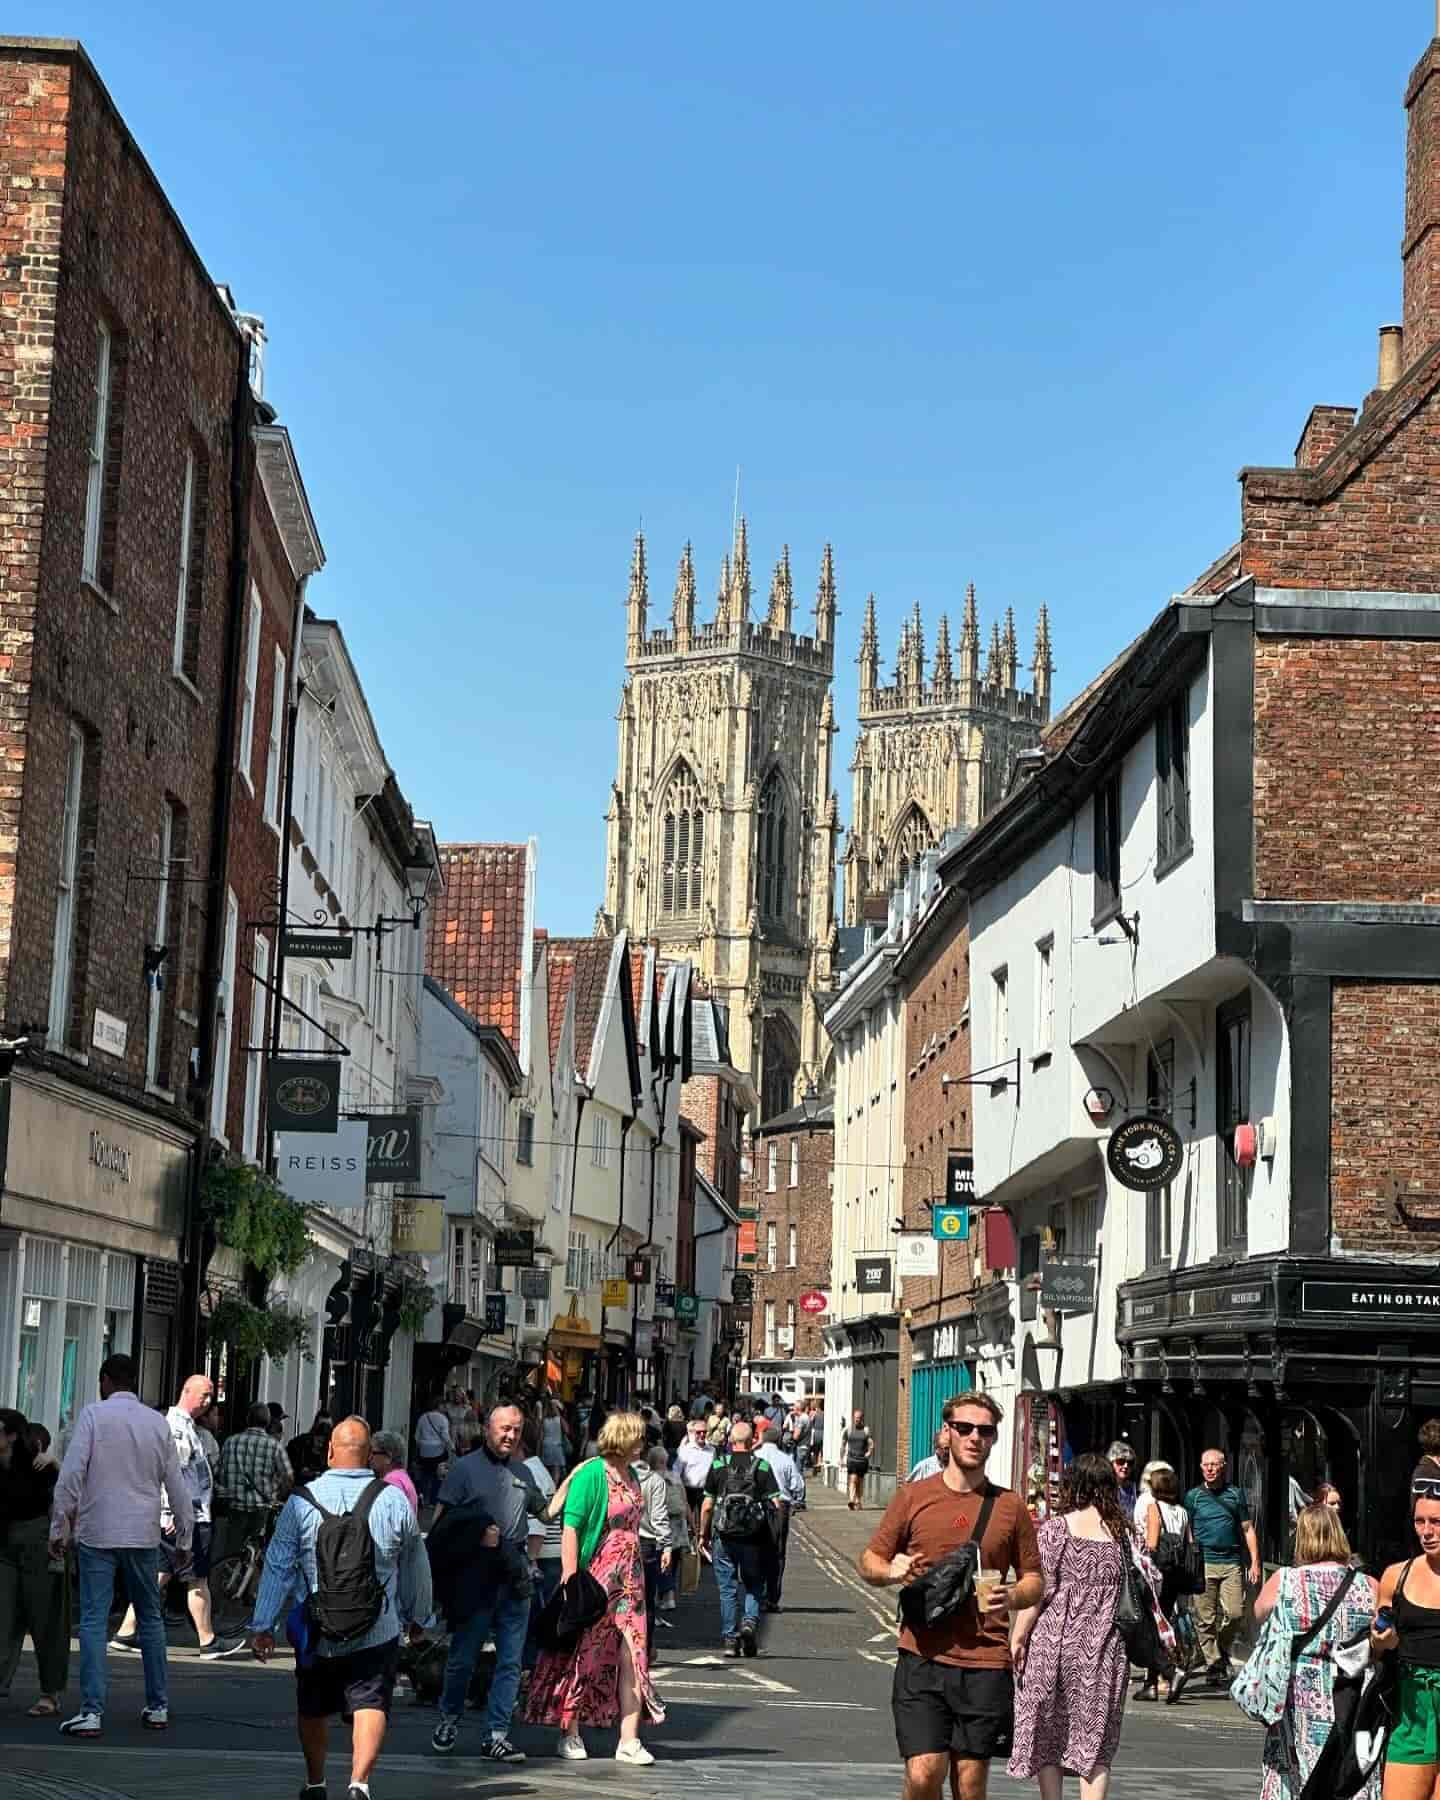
x=256 y=1331
x=416 y=1304
x=252 y=1215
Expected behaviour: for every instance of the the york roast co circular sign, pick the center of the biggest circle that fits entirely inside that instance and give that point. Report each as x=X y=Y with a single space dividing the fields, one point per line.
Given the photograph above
x=1145 y=1153
x=304 y=1094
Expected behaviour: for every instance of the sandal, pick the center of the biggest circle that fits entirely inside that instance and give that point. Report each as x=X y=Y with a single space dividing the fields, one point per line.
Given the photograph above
x=44 y=1708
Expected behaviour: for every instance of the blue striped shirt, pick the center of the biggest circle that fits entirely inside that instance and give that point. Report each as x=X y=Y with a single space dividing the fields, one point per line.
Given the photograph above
x=400 y=1559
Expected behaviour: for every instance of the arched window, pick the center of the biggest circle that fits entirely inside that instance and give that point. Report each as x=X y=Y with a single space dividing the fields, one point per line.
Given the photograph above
x=781 y=1064
x=912 y=840
x=770 y=848
x=683 y=849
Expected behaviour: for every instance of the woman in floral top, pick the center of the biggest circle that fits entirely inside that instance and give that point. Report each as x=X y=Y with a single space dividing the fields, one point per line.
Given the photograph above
x=605 y=1676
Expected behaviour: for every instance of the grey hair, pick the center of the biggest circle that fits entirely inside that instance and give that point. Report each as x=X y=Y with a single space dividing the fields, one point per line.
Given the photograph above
x=389 y=1443
x=659 y=1458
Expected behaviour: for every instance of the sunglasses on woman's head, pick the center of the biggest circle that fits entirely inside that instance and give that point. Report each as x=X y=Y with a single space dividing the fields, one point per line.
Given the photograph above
x=968 y=1428
x=1425 y=1489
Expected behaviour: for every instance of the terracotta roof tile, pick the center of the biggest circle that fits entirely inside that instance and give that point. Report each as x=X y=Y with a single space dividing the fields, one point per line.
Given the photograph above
x=592 y=965
x=477 y=944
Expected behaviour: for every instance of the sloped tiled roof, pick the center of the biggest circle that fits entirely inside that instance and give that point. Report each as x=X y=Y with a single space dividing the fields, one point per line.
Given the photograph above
x=592 y=965
x=560 y=967
x=477 y=944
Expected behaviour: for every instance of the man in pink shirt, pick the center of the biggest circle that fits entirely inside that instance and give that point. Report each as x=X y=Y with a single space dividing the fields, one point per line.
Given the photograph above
x=121 y=1456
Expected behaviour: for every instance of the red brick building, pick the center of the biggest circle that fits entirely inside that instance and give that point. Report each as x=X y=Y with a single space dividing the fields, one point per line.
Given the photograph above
x=123 y=391
x=789 y=1191
x=936 y=1341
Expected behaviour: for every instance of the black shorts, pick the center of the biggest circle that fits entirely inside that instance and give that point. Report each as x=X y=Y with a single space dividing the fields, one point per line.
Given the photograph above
x=968 y=1712
x=200 y=1549
x=857 y=1468
x=363 y=1681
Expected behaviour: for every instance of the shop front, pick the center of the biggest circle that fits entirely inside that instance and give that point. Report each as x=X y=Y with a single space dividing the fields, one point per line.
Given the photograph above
x=862 y=1374
x=1302 y=1371
x=92 y=1222
x=942 y=1364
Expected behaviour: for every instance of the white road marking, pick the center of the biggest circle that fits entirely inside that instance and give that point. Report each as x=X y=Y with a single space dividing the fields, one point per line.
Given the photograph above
x=882 y=1637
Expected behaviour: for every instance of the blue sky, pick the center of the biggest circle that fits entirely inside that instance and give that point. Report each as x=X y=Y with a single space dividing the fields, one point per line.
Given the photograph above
x=980 y=292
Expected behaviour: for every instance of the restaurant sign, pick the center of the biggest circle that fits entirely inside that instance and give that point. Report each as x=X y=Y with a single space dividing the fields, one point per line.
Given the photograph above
x=1370 y=1299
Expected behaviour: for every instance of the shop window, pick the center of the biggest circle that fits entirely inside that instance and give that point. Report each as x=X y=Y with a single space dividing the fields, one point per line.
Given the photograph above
x=1232 y=1108
x=1107 y=849
x=1172 y=782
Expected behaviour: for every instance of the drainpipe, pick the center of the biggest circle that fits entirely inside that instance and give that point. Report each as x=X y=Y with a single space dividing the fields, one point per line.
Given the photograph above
x=242 y=477
x=275 y=1002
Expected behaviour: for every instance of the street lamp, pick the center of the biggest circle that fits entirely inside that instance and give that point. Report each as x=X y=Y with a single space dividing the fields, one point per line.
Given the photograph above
x=417 y=888
x=811 y=1102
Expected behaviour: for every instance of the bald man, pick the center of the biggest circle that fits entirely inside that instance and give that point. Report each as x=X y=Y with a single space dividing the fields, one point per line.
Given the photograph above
x=196 y=1397
x=355 y=1678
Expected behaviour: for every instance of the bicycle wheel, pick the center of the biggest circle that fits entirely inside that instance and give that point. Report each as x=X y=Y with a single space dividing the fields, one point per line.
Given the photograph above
x=232 y=1592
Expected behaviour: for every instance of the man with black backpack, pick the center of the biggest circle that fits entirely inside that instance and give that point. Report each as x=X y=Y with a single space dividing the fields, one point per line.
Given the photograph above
x=735 y=1532
x=347 y=1571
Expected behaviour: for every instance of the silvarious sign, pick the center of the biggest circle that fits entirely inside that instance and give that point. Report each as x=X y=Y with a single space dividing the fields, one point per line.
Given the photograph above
x=393 y=1147
x=1145 y=1153
x=515 y=1248
x=302 y=1094
x=917 y=1253
x=1068 y=1286
x=872 y=1275
x=324 y=1171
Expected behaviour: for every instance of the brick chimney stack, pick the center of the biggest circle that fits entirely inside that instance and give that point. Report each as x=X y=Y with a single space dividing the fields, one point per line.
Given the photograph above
x=1421 y=249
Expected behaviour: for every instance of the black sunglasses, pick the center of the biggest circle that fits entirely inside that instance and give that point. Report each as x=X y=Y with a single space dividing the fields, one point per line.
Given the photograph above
x=968 y=1428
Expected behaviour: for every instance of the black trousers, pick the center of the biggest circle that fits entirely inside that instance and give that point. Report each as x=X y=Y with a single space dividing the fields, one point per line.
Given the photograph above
x=780 y=1531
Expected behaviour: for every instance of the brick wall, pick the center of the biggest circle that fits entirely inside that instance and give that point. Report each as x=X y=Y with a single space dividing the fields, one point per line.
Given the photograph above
x=1334 y=820
x=937 y=1120
x=101 y=661
x=707 y=1101
x=807 y=1206
x=1385 y=1046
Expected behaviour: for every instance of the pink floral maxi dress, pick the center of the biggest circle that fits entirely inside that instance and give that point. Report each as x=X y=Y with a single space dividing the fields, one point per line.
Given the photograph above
x=581 y=1686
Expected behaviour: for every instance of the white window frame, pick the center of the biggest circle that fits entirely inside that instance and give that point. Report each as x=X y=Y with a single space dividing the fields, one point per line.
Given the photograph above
x=274 y=756
x=99 y=436
x=1000 y=1020
x=62 y=964
x=252 y=676
x=792 y=1246
x=155 y=1022
x=224 y=1025
x=600 y=1141
x=794 y=1162
x=769 y=1327
x=771 y=1233
x=182 y=586
x=770 y=1167
x=255 y=1061
x=1045 y=995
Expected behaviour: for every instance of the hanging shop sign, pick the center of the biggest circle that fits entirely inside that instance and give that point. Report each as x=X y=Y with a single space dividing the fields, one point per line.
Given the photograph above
x=960 y=1178
x=687 y=1307
x=644 y=1338
x=872 y=1275
x=417 y=1226
x=392 y=1148
x=917 y=1253
x=814 y=1301
x=950 y=1224
x=615 y=1293
x=1068 y=1287
x=515 y=1248
x=534 y=1284
x=742 y=1289
x=324 y=1171
x=665 y=1293
x=494 y=1313
x=746 y=1241
x=303 y=1094
x=1145 y=1153
x=319 y=946
x=637 y=1269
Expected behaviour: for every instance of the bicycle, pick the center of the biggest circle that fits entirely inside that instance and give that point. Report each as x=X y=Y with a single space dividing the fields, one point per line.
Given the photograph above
x=235 y=1579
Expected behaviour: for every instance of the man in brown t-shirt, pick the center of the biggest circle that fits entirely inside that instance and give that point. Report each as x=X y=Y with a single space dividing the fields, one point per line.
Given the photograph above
x=953 y=1698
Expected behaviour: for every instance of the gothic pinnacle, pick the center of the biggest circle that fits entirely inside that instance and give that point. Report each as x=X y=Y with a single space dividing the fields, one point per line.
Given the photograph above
x=992 y=667
x=943 y=673
x=825 y=593
x=722 y=599
x=639 y=578
x=740 y=577
x=1042 y=641
x=782 y=593
x=869 y=636
x=684 y=603
x=970 y=628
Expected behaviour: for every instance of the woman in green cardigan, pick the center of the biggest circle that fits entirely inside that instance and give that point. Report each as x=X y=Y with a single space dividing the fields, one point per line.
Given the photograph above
x=605 y=1676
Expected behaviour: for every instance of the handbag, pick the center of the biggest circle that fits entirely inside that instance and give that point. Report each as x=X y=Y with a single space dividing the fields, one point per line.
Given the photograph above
x=1262 y=1687
x=943 y=1590
x=1135 y=1618
x=573 y=1608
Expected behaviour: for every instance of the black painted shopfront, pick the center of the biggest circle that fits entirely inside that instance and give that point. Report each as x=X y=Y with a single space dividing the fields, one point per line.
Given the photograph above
x=1302 y=1370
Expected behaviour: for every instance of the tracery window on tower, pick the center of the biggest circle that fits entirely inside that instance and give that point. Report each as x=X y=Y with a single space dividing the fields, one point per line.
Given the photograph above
x=912 y=840
x=771 y=867
x=683 y=846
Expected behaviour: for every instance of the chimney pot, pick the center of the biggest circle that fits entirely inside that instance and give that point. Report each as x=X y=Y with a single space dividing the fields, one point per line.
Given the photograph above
x=1392 y=356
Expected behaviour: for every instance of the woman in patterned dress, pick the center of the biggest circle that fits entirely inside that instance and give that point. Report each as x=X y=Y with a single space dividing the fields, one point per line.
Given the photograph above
x=1070 y=1663
x=1298 y=1596
x=605 y=1675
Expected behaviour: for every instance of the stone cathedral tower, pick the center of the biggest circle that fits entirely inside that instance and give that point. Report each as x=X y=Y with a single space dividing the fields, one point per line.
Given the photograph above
x=722 y=825
x=933 y=755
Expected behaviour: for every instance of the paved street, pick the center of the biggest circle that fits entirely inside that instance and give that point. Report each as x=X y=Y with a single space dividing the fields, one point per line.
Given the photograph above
x=809 y=1715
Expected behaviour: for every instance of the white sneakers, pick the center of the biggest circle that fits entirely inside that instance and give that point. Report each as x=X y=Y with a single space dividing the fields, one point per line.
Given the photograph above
x=155 y=1718
x=633 y=1752
x=84 y=1724
x=572 y=1747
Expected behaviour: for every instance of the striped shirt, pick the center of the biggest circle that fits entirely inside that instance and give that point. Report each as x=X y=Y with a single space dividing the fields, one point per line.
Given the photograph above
x=400 y=1559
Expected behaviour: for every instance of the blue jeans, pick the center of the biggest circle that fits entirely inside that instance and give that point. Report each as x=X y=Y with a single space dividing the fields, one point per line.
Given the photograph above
x=507 y=1615
x=141 y=1569
x=547 y=1579
x=732 y=1587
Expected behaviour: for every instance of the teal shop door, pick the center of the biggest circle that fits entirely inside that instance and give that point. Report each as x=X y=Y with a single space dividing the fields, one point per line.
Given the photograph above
x=931 y=1385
